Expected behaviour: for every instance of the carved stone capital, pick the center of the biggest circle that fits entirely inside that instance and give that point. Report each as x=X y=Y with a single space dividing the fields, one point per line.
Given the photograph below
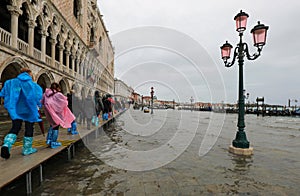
x=43 y=33
x=53 y=41
x=31 y=24
x=14 y=10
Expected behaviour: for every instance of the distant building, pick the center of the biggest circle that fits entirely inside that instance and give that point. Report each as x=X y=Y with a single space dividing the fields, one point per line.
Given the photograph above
x=60 y=41
x=122 y=92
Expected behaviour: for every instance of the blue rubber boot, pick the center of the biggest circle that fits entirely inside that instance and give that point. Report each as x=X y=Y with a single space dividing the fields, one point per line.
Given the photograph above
x=27 y=146
x=97 y=122
x=74 y=128
x=54 y=143
x=49 y=136
x=9 y=140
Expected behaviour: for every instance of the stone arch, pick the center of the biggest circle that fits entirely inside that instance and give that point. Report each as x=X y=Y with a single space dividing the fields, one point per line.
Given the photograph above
x=64 y=86
x=46 y=12
x=11 y=68
x=14 y=2
x=45 y=79
x=28 y=8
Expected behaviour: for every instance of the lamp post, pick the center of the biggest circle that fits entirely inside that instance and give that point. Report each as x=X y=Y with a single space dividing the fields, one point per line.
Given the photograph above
x=192 y=100
x=152 y=93
x=142 y=102
x=241 y=50
x=173 y=104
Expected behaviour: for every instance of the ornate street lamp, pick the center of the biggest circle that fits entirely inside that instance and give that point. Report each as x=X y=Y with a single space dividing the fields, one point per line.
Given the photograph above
x=241 y=50
x=152 y=93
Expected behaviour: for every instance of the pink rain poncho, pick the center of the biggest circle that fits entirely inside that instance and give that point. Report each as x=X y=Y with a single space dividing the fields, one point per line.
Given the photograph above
x=56 y=109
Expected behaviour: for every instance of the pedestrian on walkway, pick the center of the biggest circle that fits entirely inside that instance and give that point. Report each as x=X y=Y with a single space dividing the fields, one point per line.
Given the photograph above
x=73 y=129
x=22 y=98
x=57 y=113
x=98 y=106
x=89 y=109
x=106 y=104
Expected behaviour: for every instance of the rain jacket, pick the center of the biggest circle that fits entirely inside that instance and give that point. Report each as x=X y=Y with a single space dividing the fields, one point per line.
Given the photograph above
x=22 y=98
x=56 y=109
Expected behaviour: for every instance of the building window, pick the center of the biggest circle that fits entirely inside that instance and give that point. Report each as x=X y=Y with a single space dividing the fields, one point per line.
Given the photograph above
x=76 y=9
x=92 y=35
x=5 y=16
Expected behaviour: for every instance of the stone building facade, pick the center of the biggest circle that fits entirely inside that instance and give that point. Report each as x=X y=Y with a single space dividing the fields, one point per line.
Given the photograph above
x=62 y=41
x=122 y=91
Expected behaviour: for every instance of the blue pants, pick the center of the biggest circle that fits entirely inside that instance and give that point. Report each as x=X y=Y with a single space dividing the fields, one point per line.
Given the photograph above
x=16 y=127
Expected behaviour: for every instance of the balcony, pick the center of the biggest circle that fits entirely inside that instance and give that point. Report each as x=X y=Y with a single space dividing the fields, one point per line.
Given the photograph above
x=5 y=37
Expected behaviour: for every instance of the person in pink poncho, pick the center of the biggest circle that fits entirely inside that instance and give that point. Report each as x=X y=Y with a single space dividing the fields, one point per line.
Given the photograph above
x=57 y=113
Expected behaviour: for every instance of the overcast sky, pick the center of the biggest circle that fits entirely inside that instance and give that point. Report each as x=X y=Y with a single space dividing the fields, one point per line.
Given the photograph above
x=174 y=46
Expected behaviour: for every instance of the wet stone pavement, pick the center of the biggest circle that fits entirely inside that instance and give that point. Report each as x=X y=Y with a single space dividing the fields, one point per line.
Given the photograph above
x=180 y=153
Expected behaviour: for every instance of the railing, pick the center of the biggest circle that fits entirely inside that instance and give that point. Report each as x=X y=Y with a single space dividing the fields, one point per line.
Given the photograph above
x=22 y=46
x=64 y=68
x=48 y=60
x=57 y=64
x=5 y=37
x=37 y=54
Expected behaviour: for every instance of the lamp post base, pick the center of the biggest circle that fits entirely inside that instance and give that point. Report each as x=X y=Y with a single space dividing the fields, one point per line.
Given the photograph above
x=241 y=151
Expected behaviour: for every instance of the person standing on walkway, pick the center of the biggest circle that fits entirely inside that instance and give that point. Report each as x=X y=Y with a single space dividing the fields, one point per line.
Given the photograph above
x=73 y=129
x=22 y=98
x=57 y=113
x=98 y=106
x=89 y=109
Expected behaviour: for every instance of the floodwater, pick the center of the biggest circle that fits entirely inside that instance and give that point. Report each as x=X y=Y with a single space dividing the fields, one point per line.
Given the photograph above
x=175 y=152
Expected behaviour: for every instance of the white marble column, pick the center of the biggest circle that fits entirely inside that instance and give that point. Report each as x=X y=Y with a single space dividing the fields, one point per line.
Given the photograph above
x=43 y=44
x=53 y=43
x=15 y=12
x=31 y=25
x=61 y=50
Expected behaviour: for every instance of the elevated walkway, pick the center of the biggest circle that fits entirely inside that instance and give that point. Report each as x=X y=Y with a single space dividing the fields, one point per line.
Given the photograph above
x=18 y=165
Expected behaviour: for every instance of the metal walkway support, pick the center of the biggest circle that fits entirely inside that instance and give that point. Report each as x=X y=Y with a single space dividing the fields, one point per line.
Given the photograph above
x=28 y=183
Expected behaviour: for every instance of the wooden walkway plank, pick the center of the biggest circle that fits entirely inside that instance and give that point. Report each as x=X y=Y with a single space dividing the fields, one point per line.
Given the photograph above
x=18 y=165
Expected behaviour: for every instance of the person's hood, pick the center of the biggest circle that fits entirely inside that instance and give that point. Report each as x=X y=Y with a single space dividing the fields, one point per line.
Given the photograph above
x=48 y=92
x=24 y=76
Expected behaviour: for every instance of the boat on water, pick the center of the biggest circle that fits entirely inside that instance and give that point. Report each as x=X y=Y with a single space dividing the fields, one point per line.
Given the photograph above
x=146 y=110
x=296 y=112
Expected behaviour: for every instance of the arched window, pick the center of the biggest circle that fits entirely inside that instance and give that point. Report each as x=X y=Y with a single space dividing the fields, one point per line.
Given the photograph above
x=92 y=35
x=76 y=8
x=37 y=34
x=23 y=26
x=5 y=15
x=48 y=44
x=65 y=55
x=57 y=49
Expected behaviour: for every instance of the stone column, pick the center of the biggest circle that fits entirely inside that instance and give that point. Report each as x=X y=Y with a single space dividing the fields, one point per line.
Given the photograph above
x=67 y=58
x=31 y=25
x=61 y=50
x=53 y=43
x=43 y=44
x=15 y=12
x=73 y=65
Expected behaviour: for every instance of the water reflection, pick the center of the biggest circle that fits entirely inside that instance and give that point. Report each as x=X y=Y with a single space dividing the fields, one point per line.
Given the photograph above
x=241 y=164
